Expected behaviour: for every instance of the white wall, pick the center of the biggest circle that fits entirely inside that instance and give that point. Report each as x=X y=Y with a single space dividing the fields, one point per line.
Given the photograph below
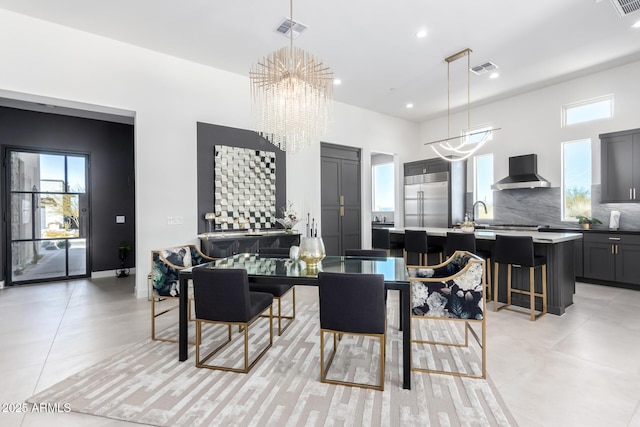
x=531 y=122
x=168 y=96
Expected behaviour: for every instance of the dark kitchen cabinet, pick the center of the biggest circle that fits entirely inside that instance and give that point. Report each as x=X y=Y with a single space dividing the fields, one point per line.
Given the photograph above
x=578 y=258
x=620 y=157
x=422 y=167
x=612 y=257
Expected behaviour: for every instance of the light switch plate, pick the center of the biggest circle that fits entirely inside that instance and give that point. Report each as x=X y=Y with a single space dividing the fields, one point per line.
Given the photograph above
x=120 y=219
x=174 y=220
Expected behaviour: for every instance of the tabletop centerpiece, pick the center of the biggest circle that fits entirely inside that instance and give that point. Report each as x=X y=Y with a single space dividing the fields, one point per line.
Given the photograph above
x=312 y=252
x=289 y=218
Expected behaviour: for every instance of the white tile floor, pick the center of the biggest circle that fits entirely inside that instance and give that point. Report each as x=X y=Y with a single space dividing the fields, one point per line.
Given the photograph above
x=581 y=369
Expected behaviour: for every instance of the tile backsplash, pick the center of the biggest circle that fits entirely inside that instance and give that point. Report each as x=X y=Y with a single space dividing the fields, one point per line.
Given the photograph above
x=541 y=206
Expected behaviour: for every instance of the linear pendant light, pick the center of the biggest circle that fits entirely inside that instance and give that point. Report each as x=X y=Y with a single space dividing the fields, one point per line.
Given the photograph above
x=456 y=148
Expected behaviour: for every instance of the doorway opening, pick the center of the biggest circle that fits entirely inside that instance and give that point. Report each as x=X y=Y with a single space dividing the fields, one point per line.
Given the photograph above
x=47 y=214
x=383 y=189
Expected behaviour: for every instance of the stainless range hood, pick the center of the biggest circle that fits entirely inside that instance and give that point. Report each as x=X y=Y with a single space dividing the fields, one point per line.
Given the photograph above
x=523 y=173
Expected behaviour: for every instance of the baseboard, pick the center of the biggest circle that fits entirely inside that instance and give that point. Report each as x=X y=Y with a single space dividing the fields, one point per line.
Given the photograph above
x=109 y=273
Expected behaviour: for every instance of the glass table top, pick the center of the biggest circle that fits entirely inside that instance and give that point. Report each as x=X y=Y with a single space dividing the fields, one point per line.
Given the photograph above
x=393 y=269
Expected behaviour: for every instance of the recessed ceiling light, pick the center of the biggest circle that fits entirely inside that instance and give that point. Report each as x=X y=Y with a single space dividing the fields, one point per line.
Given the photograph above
x=409 y=105
x=337 y=82
x=421 y=34
x=636 y=25
x=494 y=75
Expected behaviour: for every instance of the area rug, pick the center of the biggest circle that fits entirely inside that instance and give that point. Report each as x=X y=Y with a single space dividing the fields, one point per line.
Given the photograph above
x=146 y=384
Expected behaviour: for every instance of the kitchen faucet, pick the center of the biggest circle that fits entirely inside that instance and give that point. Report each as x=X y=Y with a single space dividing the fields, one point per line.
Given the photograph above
x=473 y=209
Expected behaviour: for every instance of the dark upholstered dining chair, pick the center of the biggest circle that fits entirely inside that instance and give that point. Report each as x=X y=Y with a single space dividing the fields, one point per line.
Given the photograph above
x=222 y=296
x=278 y=290
x=352 y=303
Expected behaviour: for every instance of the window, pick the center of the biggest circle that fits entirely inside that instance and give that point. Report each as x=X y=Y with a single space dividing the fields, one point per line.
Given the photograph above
x=383 y=185
x=576 y=179
x=586 y=111
x=482 y=181
x=478 y=134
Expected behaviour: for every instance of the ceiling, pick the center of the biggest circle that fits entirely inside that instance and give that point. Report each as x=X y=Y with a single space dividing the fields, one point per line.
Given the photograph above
x=371 y=44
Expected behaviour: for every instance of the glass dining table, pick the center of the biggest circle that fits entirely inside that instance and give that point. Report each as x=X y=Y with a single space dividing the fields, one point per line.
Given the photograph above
x=263 y=269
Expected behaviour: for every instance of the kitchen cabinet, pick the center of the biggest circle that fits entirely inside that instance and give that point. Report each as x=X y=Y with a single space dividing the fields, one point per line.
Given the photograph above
x=425 y=166
x=578 y=260
x=620 y=157
x=612 y=257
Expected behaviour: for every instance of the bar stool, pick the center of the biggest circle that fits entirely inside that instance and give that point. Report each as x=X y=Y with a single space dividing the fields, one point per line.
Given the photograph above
x=381 y=239
x=416 y=241
x=518 y=251
x=458 y=241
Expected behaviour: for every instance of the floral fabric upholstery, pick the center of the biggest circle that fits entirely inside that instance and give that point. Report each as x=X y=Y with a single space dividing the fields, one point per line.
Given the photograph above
x=452 y=290
x=166 y=266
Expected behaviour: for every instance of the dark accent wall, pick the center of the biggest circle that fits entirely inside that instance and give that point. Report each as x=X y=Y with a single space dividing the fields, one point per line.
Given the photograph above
x=110 y=147
x=210 y=135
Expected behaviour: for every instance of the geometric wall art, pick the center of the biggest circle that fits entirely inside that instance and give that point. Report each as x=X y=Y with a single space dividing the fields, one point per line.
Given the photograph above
x=244 y=188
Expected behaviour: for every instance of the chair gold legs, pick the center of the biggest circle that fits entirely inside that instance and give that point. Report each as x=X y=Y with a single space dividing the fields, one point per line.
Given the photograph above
x=154 y=315
x=467 y=329
x=200 y=363
x=324 y=370
x=288 y=318
x=531 y=292
x=279 y=316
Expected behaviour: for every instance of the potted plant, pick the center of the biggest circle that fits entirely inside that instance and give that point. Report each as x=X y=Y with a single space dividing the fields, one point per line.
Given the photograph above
x=123 y=249
x=586 y=221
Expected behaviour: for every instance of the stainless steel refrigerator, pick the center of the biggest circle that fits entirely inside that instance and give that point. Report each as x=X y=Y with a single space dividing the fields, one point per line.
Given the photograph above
x=435 y=199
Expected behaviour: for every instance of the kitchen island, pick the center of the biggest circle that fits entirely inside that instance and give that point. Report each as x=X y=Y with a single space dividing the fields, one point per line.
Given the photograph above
x=557 y=247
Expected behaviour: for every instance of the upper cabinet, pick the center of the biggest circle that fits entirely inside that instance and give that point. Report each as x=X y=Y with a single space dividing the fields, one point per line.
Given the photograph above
x=425 y=166
x=620 y=156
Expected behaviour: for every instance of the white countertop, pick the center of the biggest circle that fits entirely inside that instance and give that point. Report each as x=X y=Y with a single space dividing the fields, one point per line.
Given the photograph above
x=538 y=237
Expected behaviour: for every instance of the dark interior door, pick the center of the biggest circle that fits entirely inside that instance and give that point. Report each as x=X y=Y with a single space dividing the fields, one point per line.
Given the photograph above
x=340 y=198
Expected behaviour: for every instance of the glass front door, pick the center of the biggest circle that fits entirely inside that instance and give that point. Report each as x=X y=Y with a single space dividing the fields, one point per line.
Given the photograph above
x=48 y=216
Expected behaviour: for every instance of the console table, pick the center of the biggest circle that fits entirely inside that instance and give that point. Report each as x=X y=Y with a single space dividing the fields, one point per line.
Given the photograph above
x=225 y=244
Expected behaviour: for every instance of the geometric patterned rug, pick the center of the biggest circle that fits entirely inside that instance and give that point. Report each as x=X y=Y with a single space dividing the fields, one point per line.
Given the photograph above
x=146 y=384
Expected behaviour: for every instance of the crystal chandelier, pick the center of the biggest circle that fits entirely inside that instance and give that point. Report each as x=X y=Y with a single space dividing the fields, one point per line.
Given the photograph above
x=457 y=148
x=292 y=96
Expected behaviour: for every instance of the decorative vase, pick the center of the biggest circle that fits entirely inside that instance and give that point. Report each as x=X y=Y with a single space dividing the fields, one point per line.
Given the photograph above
x=287 y=224
x=294 y=253
x=210 y=217
x=312 y=251
x=586 y=226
